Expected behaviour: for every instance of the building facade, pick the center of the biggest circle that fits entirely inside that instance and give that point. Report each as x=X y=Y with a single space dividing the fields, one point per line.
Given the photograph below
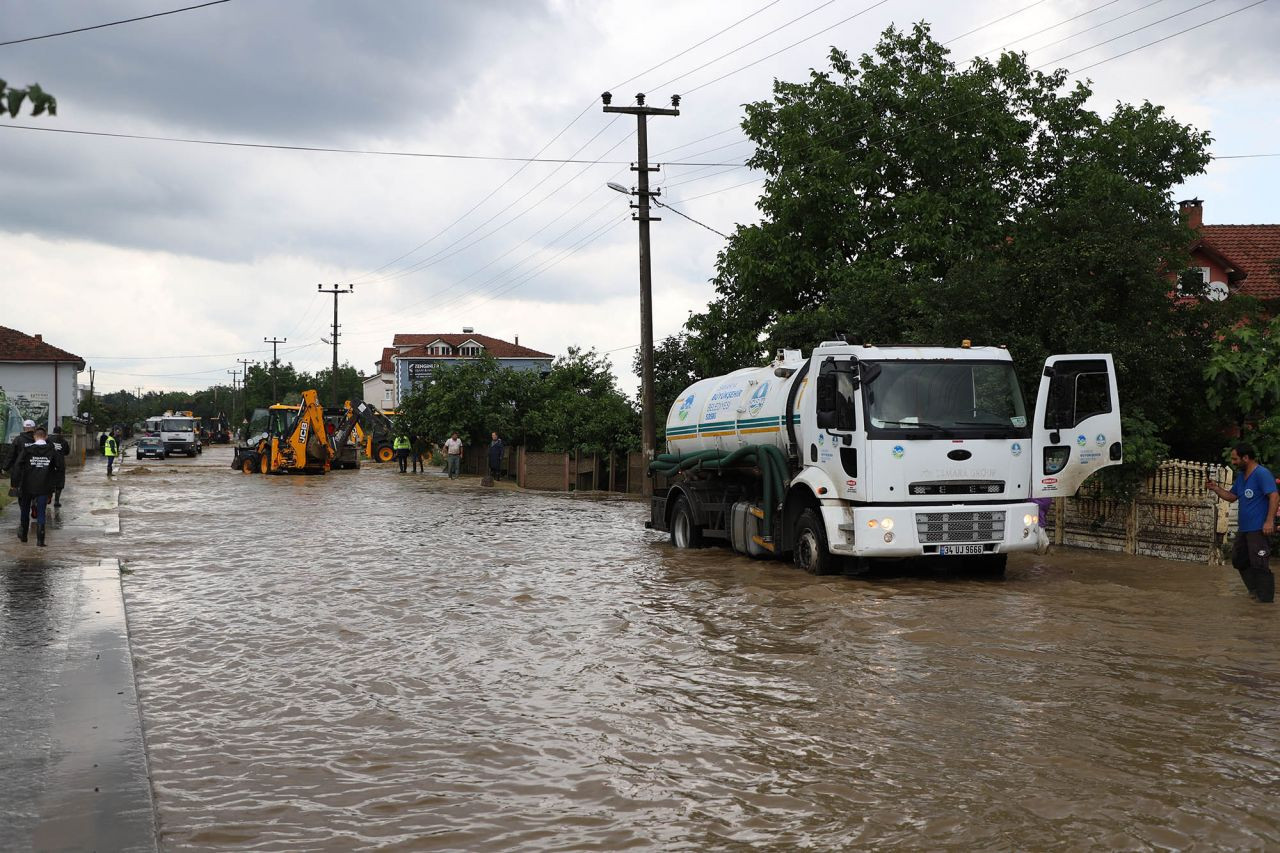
x=412 y=358
x=1243 y=259
x=37 y=381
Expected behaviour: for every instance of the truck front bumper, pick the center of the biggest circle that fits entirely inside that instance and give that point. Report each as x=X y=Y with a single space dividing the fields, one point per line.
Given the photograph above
x=945 y=530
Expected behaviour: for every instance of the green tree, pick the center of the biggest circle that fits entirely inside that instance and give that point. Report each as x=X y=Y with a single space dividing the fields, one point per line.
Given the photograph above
x=474 y=397
x=41 y=101
x=1243 y=372
x=909 y=201
x=582 y=408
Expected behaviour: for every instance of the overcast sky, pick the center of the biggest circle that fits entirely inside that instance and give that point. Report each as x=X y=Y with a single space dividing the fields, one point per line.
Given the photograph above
x=161 y=263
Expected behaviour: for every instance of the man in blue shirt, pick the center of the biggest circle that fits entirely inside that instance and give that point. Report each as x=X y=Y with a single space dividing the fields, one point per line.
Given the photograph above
x=1255 y=489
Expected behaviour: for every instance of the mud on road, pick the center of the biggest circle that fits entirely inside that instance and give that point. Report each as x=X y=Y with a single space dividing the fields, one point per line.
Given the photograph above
x=369 y=659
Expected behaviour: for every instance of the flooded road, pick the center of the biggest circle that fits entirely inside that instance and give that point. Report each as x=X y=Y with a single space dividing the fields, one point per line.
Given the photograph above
x=375 y=660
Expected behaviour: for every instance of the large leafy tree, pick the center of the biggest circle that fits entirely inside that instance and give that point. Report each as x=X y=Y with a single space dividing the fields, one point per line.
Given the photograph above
x=912 y=201
x=582 y=408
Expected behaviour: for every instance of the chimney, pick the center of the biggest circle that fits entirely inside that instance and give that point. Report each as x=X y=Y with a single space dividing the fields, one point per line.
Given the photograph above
x=39 y=338
x=517 y=339
x=1192 y=211
x=467 y=330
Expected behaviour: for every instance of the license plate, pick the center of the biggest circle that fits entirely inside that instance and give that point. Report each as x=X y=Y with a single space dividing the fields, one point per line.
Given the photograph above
x=944 y=550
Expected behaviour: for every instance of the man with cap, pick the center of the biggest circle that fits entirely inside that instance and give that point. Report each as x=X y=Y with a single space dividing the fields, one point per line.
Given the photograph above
x=20 y=441
x=35 y=474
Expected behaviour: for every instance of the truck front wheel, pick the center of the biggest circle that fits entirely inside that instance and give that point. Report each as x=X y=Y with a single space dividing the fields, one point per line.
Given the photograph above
x=811 y=553
x=684 y=532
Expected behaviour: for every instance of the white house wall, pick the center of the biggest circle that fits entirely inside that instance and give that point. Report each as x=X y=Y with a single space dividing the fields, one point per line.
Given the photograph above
x=19 y=379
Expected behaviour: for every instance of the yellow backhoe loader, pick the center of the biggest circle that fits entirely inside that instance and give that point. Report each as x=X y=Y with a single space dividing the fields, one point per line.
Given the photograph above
x=286 y=439
x=373 y=431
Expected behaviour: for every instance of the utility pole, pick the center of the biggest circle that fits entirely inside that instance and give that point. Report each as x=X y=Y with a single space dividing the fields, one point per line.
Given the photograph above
x=336 y=293
x=274 y=362
x=244 y=383
x=648 y=424
x=234 y=374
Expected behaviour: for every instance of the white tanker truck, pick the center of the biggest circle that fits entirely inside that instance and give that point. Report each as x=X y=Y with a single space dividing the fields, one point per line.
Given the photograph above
x=863 y=452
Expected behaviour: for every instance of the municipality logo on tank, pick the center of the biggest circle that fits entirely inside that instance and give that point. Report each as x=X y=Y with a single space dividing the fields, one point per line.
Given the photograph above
x=685 y=406
x=757 y=399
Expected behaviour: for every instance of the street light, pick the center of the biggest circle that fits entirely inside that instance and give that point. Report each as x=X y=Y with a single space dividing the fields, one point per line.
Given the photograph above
x=616 y=187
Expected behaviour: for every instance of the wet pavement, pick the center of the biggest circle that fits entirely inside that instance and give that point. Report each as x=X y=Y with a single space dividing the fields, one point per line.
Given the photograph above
x=370 y=660
x=75 y=774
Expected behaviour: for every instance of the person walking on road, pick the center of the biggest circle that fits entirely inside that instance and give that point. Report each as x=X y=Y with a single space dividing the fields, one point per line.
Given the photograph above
x=111 y=449
x=495 y=457
x=1255 y=489
x=19 y=441
x=59 y=442
x=37 y=471
x=420 y=450
x=453 y=453
x=401 y=444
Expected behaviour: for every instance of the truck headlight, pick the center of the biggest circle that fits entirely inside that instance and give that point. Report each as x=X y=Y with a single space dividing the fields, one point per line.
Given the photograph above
x=886 y=523
x=1030 y=519
x=888 y=537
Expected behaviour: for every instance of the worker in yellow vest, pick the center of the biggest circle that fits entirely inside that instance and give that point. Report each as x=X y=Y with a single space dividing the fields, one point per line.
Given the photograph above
x=111 y=450
x=401 y=446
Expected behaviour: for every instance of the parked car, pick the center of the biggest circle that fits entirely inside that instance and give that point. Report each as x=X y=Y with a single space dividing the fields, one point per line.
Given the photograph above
x=151 y=445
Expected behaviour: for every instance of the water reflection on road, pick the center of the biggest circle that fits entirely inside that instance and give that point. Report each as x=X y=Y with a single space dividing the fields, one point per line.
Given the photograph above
x=371 y=659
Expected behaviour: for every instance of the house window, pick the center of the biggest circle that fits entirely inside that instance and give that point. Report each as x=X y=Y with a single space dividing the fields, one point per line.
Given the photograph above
x=440 y=349
x=471 y=350
x=386 y=395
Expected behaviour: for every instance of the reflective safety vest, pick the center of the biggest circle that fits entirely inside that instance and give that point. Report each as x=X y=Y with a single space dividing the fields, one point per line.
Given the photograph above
x=401 y=442
x=110 y=448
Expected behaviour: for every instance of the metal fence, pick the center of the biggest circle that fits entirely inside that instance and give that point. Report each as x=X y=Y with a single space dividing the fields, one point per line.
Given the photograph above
x=1172 y=516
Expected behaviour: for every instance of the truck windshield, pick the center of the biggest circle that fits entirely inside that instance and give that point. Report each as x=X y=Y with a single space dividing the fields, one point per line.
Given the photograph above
x=949 y=396
x=177 y=425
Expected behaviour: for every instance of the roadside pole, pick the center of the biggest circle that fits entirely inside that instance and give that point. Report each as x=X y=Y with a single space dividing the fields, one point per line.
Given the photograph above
x=274 y=341
x=336 y=293
x=648 y=423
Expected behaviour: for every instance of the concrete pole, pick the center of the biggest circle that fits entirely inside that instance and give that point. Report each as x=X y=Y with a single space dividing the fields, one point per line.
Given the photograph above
x=648 y=420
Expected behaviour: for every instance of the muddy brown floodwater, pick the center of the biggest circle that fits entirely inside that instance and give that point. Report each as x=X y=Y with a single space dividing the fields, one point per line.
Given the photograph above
x=371 y=660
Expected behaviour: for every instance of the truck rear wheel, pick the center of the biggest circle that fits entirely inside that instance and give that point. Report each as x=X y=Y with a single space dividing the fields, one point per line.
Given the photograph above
x=384 y=453
x=811 y=553
x=264 y=464
x=246 y=464
x=684 y=532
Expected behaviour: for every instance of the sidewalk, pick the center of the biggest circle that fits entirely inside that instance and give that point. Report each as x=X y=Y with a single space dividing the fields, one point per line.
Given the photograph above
x=75 y=769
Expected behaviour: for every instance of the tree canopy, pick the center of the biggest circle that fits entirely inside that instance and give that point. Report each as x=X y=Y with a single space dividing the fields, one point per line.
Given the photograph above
x=575 y=405
x=911 y=201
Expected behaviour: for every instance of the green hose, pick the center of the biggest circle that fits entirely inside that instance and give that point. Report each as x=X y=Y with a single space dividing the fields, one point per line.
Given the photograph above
x=769 y=458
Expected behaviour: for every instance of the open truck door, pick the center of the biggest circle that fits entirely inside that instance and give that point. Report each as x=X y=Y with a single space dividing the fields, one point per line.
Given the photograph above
x=1077 y=426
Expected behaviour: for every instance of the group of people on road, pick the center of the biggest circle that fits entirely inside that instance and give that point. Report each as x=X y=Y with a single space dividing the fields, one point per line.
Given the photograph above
x=37 y=468
x=417 y=448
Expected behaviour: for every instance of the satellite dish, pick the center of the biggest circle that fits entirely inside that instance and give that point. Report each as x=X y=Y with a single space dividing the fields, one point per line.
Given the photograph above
x=1216 y=291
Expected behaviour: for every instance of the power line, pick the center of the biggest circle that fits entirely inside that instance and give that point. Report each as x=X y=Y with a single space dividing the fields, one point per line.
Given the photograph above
x=994 y=22
x=785 y=49
x=1171 y=35
x=690 y=218
x=1131 y=32
x=1065 y=21
x=112 y=23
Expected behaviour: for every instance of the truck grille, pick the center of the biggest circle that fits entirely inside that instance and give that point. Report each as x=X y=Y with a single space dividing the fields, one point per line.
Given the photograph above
x=958 y=487
x=944 y=527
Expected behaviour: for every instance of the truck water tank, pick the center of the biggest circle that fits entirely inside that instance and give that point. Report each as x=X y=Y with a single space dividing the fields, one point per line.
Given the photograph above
x=727 y=412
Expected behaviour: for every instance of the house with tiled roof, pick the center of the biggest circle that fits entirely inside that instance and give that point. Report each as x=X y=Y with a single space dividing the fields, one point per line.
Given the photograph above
x=1234 y=259
x=37 y=381
x=411 y=359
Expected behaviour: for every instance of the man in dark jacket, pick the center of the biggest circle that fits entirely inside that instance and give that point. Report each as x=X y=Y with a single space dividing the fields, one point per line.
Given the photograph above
x=37 y=471
x=20 y=441
x=495 y=457
x=63 y=446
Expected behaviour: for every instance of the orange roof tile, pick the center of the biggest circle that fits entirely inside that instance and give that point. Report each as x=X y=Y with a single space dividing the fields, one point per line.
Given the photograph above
x=16 y=346
x=1256 y=249
x=493 y=346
